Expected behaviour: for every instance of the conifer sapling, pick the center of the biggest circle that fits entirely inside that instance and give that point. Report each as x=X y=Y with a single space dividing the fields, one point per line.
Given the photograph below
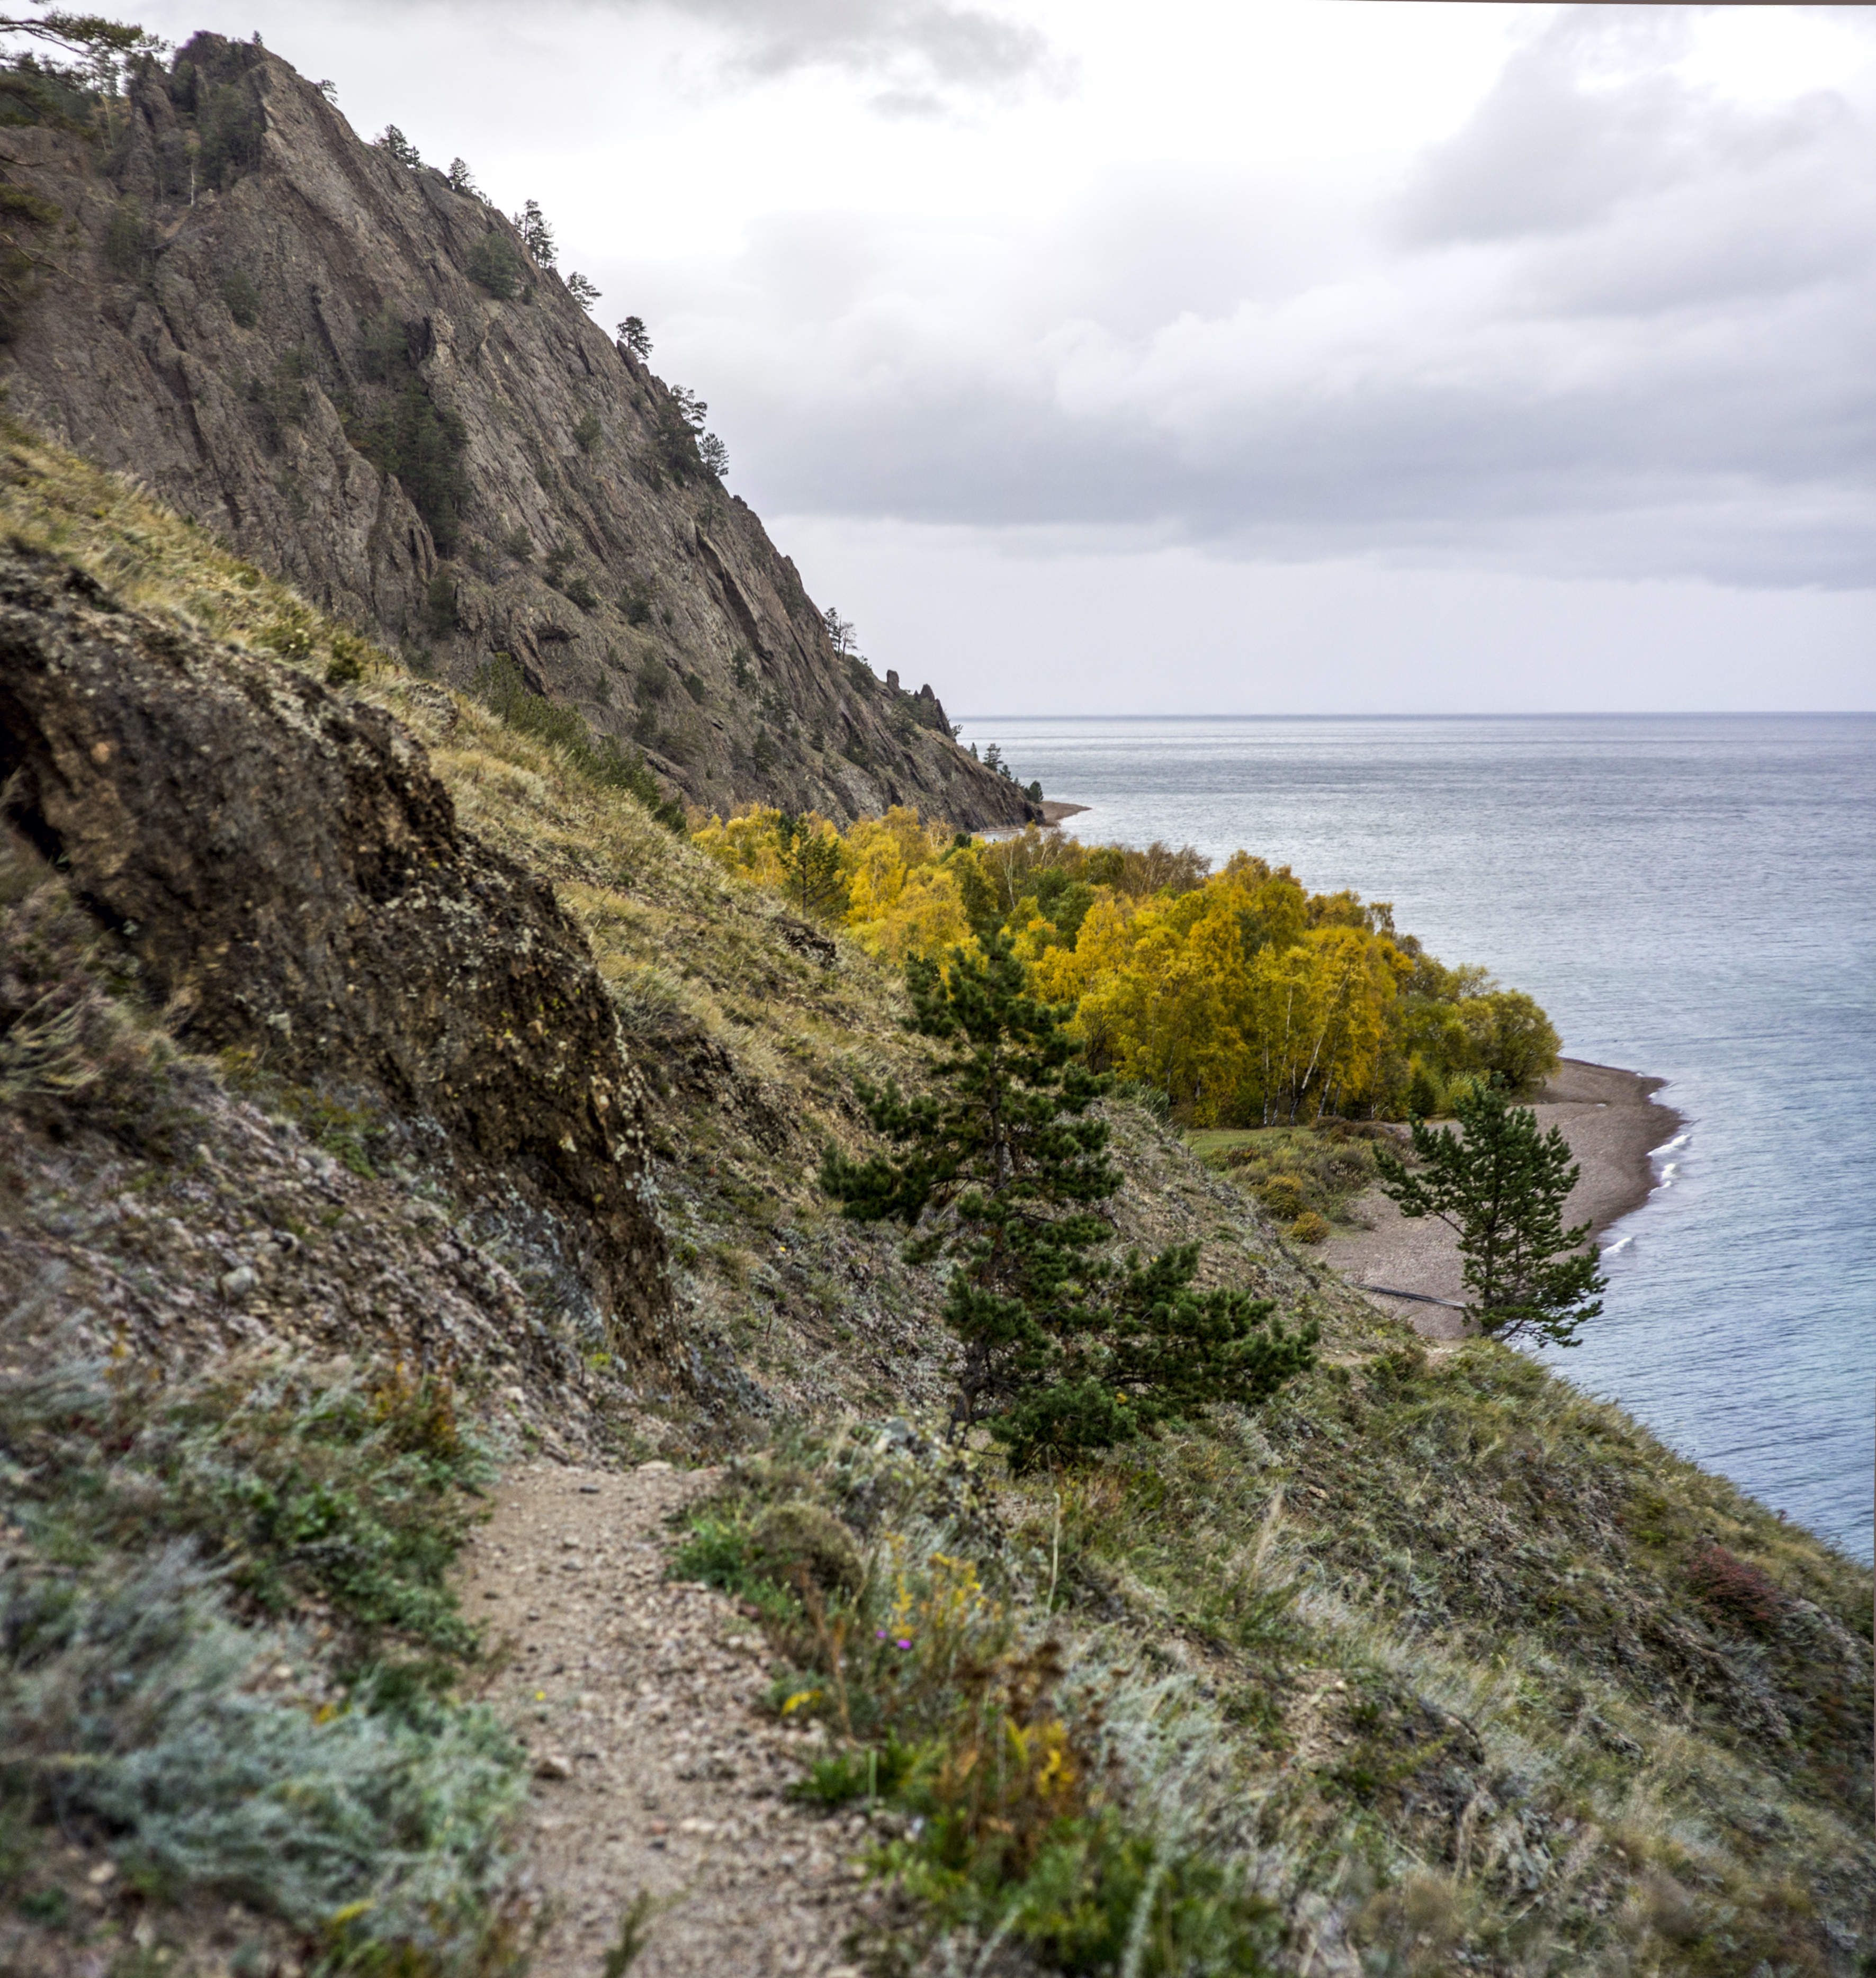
x=1003 y=1168
x=1501 y=1187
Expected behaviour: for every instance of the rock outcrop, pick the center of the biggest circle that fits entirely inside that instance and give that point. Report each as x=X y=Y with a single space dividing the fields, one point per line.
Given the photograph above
x=291 y=879
x=360 y=376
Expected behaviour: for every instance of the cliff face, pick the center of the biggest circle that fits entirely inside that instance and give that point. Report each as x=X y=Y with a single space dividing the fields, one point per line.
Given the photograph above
x=288 y=878
x=360 y=377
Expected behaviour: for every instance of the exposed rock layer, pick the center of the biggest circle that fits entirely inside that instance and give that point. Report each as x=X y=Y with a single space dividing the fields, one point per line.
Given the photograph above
x=252 y=307
x=291 y=878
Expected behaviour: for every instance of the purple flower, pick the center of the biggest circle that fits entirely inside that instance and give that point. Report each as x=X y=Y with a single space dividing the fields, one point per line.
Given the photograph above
x=906 y=1644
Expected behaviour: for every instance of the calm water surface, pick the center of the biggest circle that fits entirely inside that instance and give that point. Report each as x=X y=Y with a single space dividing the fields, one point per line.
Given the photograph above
x=1692 y=896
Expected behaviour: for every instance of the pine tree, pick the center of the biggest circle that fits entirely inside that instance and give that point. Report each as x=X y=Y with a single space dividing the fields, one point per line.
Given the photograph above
x=1501 y=1186
x=392 y=139
x=1006 y=1168
x=537 y=235
x=810 y=864
x=633 y=335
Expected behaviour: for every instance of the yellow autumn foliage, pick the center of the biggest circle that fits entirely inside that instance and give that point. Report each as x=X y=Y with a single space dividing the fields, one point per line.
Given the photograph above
x=1244 y=998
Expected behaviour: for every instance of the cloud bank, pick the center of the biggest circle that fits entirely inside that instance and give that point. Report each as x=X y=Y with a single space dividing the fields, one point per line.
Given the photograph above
x=1614 y=324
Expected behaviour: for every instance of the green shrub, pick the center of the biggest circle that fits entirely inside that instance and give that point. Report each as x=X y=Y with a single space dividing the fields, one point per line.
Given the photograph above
x=357 y=1492
x=439 y=604
x=800 y=1543
x=494 y=264
x=587 y=433
x=422 y=444
x=499 y=686
x=130 y=1703
x=127 y=241
x=346 y=667
x=1310 y=1227
x=242 y=298
x=233 y=131
x=386 y=347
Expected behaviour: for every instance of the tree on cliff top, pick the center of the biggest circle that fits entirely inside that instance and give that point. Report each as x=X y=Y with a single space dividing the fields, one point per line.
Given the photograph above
x=1064 y=1353
x=1500 y=1185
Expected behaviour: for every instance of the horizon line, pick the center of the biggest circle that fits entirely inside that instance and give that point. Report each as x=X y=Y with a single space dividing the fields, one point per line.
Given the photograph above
x=1472 y=714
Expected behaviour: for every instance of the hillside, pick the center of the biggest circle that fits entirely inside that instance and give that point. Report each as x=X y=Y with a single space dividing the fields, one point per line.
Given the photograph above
x=1431 y=1664
x=362 y=379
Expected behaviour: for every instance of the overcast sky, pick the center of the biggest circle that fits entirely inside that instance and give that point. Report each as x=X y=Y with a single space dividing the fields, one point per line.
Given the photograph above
x=1304 y=356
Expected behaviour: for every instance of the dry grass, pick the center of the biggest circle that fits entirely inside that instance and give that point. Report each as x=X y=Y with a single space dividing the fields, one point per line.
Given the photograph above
x=1496 y=1683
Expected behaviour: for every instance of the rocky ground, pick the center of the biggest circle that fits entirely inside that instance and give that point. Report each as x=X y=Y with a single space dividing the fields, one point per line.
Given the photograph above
x=655 y=1778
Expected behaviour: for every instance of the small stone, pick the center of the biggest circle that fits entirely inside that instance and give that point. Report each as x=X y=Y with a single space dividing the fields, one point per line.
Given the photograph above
x=102 y=1872
x=239 y=1282
x=657 y=1826
x=553 y=1765
x=654 y=1469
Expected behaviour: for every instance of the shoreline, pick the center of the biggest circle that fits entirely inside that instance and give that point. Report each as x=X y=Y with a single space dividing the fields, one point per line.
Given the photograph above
x=1614 y=1123
x=1054 y=813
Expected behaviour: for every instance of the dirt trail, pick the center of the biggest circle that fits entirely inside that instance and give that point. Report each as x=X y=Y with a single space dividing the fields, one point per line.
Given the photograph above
x=652 y=1772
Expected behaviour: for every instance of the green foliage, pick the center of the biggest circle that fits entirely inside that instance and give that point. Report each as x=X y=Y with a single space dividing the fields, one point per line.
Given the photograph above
x=439 y=604
x=346 y=667
x=600 y=760
x=241 y=299
x=356 y=1493
x=537 y=235
x=633 y=335
x=233 y=131
x=59 y=96
x=634 y=1927
x=462 y=179
x=127 y=241
x=385 y=352
x=1062 y=1353
x=282 y=397
x=150 y=1692
x=635 y=602
x=391 y=140
x=130 y=1704
x=585 y=292
x=494 y=263
x=810 y=865
x=1511 y=1038
x=1501 y=1188
x=422 y=444
x=588 y=433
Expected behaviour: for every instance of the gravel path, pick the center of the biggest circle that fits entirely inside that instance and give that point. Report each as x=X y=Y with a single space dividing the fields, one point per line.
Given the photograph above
x=653 y=1771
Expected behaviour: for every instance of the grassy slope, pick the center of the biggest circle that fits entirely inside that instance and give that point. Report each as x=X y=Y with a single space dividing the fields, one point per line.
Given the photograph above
x=1508 y=1685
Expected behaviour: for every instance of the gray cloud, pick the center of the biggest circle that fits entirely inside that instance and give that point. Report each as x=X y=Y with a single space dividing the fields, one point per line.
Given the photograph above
x=918 y=50
x=1612 y=325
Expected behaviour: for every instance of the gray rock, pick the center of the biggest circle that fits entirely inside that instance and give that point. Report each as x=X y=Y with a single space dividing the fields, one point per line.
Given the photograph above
x=670 y=621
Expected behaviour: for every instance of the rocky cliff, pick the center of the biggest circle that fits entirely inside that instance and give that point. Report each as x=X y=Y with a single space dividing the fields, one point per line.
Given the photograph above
x=284 y=876
x=361 y=377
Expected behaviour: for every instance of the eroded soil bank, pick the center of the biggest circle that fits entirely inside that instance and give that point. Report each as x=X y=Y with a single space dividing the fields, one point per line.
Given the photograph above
x=1614 y=1123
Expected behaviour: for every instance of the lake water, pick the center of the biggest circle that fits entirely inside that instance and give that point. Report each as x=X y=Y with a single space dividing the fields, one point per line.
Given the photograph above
x=1691 y=896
